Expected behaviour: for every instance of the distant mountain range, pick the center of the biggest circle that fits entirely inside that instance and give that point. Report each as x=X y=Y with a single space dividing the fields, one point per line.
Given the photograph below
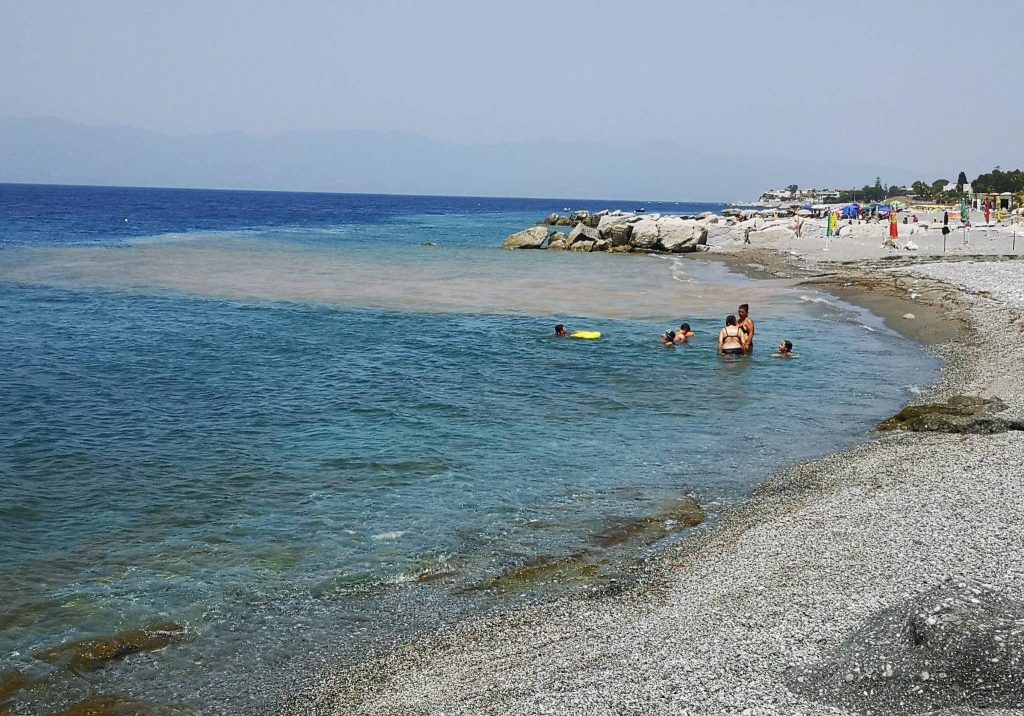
x=54 y=151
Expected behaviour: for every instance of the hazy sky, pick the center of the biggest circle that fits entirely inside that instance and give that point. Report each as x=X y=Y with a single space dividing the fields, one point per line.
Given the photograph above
x=933 y=84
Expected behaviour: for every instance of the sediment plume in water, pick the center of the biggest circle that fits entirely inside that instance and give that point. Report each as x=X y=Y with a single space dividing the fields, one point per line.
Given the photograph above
x=477 y=280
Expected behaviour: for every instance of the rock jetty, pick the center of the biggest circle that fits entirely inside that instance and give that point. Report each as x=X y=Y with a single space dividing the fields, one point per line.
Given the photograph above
x=617 y=232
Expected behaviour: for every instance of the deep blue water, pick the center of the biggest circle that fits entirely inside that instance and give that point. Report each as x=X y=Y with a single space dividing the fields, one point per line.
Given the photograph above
x=277 y=470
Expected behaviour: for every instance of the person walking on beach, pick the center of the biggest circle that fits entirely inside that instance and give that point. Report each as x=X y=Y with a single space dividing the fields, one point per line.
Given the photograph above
x=828 y=226
x=799 y=226
x=747 y=326
x=731 y=339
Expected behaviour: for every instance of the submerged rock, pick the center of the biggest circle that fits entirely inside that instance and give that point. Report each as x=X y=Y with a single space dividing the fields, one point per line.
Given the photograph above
x=91 y=654
x=11 y=682
x=958 y=646
x=650 y=529
x=532 y=238
x=543 y=570
x=959 y=414
x=108 y=706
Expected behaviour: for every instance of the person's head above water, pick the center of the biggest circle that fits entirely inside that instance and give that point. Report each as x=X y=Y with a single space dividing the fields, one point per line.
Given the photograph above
x=743 y=310
x=685 y=327
x=560 y=330
x=670 y=338
x=786 y=347
x=730 y=320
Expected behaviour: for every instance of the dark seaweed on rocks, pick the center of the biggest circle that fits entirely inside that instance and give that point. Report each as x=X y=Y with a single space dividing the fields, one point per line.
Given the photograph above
x=959 y=414
x=91 y=654
x=105 y=705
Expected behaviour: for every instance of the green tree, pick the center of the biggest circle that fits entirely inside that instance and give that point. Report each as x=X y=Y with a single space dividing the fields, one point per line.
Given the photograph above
x=999 y=181
x=960 y=181
x=792 y=188
x=921 y=189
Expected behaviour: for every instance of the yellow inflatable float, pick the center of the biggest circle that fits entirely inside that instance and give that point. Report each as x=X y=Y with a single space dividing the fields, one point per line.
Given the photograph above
x=587 y=335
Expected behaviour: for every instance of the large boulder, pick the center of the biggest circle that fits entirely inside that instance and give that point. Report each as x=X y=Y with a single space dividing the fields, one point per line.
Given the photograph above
x=585 y=246
x=580 y=216
x=616 y=232
x=558 y=241
x=583 y=232
x=677 y=235
x=532 y=238
x=645 y=234
x=721 y=234
x=871 y=232
x=775 y=236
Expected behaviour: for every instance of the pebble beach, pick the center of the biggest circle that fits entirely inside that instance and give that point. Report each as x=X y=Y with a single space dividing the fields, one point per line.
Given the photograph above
x=884 y=579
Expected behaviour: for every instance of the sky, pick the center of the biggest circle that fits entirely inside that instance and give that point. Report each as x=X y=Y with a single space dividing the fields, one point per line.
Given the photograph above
x=932 y=86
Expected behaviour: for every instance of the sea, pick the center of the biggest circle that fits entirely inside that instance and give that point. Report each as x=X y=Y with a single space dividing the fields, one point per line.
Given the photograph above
x=303 y=428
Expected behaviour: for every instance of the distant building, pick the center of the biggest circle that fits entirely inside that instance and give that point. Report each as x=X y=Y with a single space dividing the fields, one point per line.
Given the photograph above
x=951 y=186
x=801 y=196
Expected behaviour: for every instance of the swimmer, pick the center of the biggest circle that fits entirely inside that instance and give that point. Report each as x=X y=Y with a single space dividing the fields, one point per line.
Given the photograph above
x=684 y=333
x=669 y=339
x=561 y=331
x=731 y=339
x=785 y=350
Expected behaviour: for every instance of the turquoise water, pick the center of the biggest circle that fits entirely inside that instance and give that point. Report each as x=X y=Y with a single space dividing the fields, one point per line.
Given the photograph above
x=285 y=423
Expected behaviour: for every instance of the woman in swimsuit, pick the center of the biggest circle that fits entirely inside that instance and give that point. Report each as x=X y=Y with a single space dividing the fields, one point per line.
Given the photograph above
x=731 y=339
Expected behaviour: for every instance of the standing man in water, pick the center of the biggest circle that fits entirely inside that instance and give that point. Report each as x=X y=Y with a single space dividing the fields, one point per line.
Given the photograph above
x=747 y=326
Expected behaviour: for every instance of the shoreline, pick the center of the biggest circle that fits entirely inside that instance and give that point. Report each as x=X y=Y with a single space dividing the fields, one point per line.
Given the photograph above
x=721 y=607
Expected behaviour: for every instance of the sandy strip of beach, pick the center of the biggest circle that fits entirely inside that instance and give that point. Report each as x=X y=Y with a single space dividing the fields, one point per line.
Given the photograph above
x=756 y=615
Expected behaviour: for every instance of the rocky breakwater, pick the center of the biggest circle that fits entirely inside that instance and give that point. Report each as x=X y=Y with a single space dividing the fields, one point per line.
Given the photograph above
x=617 y=232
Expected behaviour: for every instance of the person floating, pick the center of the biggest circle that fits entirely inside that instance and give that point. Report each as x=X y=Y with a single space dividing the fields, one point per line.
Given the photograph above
x=563 y=332
x=732 y=341
x=785 y=350
x=746 y=325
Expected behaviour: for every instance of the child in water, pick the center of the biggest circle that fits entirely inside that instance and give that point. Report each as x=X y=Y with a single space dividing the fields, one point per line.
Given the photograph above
x=669 y=338
x=684 y=333
x=561 y=331
x=785 y=350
